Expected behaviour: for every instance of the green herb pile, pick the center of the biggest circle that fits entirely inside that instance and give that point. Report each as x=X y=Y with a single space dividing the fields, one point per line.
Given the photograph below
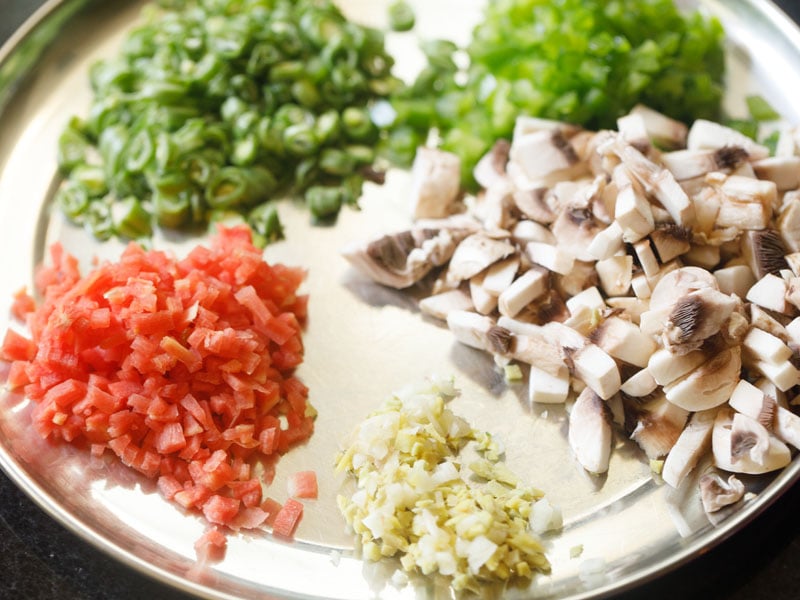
x=582 y=61
x=214 y=107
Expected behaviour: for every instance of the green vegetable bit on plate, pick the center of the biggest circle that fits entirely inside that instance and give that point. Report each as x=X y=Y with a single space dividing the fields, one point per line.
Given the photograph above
x=214 y=107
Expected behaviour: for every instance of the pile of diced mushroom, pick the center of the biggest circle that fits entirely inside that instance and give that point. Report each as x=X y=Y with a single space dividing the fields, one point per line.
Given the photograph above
x=650 y=278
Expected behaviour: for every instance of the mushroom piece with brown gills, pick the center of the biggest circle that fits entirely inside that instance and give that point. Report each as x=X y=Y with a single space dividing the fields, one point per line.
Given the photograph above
x=696 y=317
x=706 y=134
x=693 y=443
x=751 y=401
x=590 y=363
x=479 y=332
x=402 y=259
x=742 y=445
x=474 y=254
x=590 y=432
x=543 y=154
x=436 y=183
x=656 y=425
x=716 y=493
x=491 y=168
x=764 y=252
x=690 y=164
x=574 y=229
x=670 y=241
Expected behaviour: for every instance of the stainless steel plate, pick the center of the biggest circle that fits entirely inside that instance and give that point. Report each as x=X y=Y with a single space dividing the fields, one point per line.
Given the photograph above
x=362 y=343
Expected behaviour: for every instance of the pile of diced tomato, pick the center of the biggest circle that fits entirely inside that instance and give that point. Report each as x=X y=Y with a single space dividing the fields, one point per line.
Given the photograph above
x=181 y=368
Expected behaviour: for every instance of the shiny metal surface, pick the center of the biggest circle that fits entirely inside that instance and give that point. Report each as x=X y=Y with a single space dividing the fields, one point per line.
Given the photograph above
x=362 y=343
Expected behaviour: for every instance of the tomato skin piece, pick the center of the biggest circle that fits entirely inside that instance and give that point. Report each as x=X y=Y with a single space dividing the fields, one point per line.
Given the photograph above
x=287 y=518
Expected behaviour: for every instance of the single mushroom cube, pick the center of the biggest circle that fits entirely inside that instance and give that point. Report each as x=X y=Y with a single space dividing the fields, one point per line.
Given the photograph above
x=500 y=275
x=633 y=214
x=543 y=153
x=671 y=242
x=529 y=286
x=647 y=258
x=615 y=274
x=658 y=426
x=736 y=279
x=436 y=183
x=789 y=223
x=765 y=346
x=624 y=341
x=553 y=258
x=440 y=305
x=530 y=231
x=783 y=171
x=482 y=299
x=607 y=242
x=770 y=293
x=640 y=384
x=546 y=388
x=633 y=307
x=784 y=375
x=590 y=298
x=661 y=129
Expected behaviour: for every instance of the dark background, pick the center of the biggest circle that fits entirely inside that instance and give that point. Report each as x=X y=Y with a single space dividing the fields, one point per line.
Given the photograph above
x=40 y=560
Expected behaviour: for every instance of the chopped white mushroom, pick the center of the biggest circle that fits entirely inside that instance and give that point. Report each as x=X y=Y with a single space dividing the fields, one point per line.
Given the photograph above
x=670 y=242
x=543 y=153
x=746 y=203
x=661 y=129
x=615 y=274
x=716 y=493
x=440 y=305
x=639 y=385
x=789 y=221
x=492 y=166
x=553 y=258
x=474 y=254
x=770 y=293
x=705 y=134
x=708 y=385
x=659 y=424
x=436 y=183
x=525 y=289
x=742 y=445
x=736 y=279
x=483 y=300
x=478 y=331
x=693 y=442
x=590 y=432
x=765 y=346
x=657 y=181
x=691 y=164
x=783 y=171
x=624 y=341
x=500 y=275
x=751 y=401
x=590 y=298
x=547 y=388
x=647 y=257
x=666 y=367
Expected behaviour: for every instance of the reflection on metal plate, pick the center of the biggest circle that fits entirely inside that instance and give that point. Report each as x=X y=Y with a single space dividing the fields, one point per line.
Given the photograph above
x=362 y=342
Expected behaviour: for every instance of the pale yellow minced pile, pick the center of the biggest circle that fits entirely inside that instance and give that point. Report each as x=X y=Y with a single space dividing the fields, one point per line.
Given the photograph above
x=416 y=500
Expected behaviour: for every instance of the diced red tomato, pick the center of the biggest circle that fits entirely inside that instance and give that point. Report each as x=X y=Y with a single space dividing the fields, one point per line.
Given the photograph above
x=287 y=518
x=180 y=367
x=303 y=484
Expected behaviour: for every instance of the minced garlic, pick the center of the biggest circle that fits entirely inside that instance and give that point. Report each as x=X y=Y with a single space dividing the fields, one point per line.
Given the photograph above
x=415 y=499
